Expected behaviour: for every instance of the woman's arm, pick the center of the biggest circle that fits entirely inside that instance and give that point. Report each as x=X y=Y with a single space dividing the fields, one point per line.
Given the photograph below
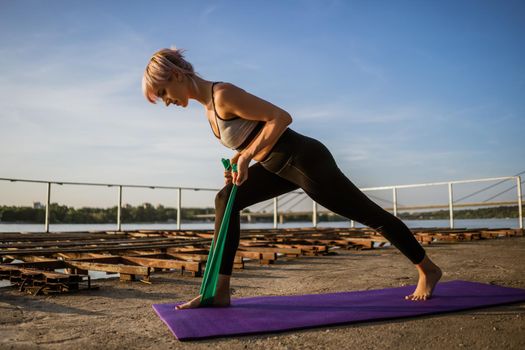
x=233 y=100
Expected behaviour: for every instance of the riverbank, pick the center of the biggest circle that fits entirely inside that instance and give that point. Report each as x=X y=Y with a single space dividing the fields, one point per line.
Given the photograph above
x=119 y=314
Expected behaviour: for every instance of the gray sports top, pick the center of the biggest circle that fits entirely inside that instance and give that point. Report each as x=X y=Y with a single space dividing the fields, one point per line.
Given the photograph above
x=235 y=133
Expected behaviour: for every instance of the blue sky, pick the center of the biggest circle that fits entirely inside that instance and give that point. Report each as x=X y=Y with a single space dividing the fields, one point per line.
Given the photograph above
x=400 y=91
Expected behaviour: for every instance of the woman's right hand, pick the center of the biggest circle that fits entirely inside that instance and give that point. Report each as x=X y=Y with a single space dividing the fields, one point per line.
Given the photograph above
x=227 y=177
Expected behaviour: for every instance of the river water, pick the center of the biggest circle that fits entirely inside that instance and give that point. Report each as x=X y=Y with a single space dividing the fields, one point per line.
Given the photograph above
x=471 y=223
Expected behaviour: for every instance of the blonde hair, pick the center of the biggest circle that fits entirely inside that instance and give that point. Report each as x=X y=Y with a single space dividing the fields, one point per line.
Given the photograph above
x=160 y=69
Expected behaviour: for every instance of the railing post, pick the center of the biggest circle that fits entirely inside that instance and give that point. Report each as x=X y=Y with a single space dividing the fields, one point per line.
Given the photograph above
x=450 y=205
x=520 y=210
x=179 y=206
x=275 y=212
x=394 y=200
x=119 y=209
x=48 y=203
x=314 y=214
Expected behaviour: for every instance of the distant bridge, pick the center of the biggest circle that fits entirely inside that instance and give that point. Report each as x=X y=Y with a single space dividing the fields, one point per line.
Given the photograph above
x=283 y=214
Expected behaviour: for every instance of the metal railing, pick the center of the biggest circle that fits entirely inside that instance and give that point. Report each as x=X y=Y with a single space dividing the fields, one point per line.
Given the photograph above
x=315 y=211
x=449 y=185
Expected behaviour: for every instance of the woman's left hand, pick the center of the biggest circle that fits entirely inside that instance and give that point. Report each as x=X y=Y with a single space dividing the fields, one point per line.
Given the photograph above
x=242 y=168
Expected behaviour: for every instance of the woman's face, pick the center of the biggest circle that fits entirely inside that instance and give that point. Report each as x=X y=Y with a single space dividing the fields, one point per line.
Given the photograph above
x=174 y=91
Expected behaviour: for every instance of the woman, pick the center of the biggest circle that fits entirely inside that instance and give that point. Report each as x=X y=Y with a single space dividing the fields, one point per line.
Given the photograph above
x=286 y=161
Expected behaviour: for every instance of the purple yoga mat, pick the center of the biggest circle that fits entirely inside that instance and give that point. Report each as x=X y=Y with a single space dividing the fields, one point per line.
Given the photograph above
x=279 y=313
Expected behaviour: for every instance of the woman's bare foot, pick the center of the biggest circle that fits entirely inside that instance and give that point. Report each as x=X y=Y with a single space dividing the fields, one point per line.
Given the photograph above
x=222 y=296
x=429 y=275
x=219 y=300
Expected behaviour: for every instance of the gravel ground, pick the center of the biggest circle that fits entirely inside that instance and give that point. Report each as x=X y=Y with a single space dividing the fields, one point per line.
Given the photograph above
x=119 y=315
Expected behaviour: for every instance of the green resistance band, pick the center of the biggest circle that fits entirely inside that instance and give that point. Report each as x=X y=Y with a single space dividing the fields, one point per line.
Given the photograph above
x=211 y=272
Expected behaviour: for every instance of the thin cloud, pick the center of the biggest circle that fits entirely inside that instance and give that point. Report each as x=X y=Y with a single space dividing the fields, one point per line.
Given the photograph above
x=84 y=115
x=247 y=65
x=370 y=69
x=206 y=13
x=343 y=112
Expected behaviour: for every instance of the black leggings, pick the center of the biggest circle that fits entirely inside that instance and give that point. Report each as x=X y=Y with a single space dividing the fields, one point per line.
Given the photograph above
x=297 y=161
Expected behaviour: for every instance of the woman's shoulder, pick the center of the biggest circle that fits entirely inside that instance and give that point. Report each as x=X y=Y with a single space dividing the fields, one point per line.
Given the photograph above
x=224 y=92
x=235 y=101
x=224 y=89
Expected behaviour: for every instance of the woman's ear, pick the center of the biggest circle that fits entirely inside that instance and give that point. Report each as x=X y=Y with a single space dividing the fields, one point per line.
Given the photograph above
x=175 y=75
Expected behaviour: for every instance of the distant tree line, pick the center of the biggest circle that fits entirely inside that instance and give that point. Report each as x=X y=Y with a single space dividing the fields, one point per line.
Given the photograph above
x=147 y=213
x=62 y=214
x=501 y=212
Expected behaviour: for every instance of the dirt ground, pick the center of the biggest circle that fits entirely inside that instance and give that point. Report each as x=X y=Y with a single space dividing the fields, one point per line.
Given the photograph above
x=119 y=315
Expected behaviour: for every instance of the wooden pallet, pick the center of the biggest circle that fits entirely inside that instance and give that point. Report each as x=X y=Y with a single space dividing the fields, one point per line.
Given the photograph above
x=137 y=254
x=38 y=281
